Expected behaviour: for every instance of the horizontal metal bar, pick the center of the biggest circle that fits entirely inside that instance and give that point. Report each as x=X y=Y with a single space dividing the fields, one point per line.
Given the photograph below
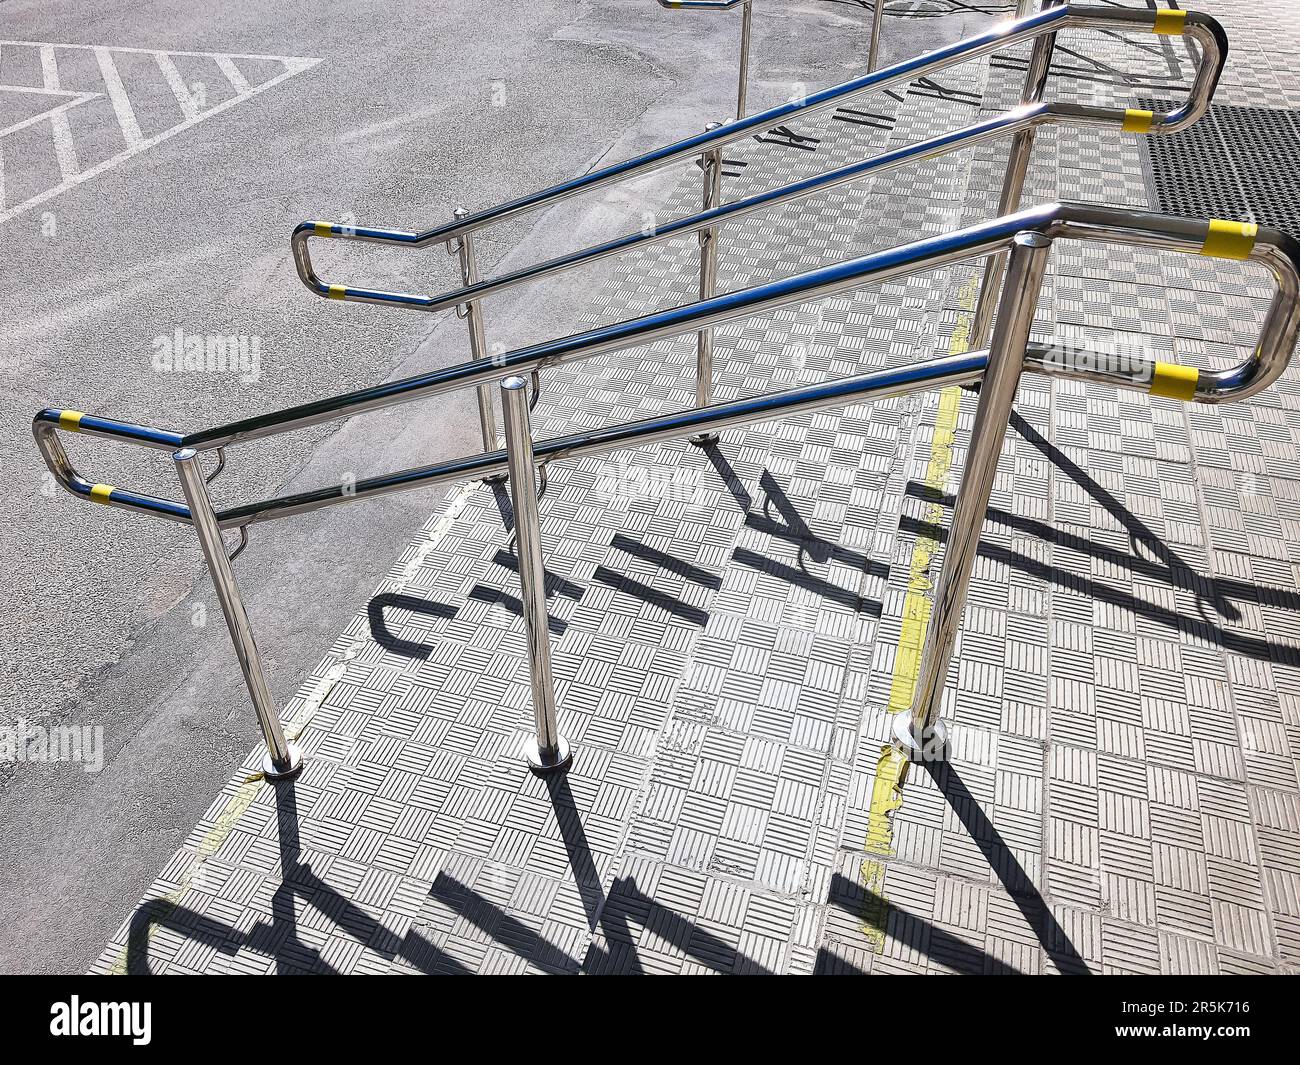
x=1001 y=125
x=1204 y=29
x=1278 y=252
x=879 y=384
x=75 y=421
x=934 y=252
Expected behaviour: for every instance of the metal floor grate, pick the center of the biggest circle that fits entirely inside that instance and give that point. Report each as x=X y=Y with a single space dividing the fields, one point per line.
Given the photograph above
x=1236 y=163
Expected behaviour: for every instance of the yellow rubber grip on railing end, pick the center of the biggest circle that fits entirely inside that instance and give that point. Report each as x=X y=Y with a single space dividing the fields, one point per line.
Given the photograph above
x=1137 y=121
x=70 y=420
x=1229 y=240
x=323 y=229
x=101 y=493
x=337 y=292
x=1170 y=21
x=1174 y=381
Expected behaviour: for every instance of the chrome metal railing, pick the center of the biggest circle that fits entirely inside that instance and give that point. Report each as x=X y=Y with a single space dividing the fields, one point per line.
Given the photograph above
x=1024 y=236
x=1020 y=123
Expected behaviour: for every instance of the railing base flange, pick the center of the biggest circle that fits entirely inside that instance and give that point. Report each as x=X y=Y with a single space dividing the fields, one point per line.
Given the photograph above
x=704 y=439
x=557 y=761
x=932 y=747
x=273 y=772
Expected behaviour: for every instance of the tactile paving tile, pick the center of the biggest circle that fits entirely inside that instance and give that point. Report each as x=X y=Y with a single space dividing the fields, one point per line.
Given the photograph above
x=1122 y=793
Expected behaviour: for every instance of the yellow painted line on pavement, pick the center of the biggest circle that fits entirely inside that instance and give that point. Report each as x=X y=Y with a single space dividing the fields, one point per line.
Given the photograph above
x=886 y=798
x=211 y=842
x=920 y=586
x=891 y=767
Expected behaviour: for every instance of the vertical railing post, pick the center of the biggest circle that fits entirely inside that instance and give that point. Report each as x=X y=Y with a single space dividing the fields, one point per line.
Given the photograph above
x=873 y=49
x=282 y=758
x=1013 y=183
x=921 y=733
x=548 y=751
x=473 y=315
x=711 y=166
x=746 y=27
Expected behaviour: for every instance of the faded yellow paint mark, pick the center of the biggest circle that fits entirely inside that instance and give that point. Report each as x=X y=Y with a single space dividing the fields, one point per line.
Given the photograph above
x=891 y=767
x=211 y=842
x=886 y=798
x=920 y=587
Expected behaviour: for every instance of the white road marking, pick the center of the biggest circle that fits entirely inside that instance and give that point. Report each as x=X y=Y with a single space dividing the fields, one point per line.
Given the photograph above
x=189 y=106
x=136 y=141
x=49 y=68
x=47 y=92
x=288 y=59
x=117 y=96
x=236 y=79
x=76 y=98
x=64 y=150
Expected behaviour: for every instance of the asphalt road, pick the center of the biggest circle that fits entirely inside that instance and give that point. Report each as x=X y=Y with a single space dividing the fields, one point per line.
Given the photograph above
x=150 y=180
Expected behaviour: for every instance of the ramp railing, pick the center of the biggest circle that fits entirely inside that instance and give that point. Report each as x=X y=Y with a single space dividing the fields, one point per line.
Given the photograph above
x=1020 y=123
x=1026 y=237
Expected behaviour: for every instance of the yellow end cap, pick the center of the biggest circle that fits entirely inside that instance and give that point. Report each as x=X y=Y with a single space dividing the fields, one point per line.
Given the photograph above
x=1137 y=121
x=323 y=229
x=337 y=292
x=1170 y=21
x=1174 y=381
x=70 y=420
x=101 y=493
x=1229 y=240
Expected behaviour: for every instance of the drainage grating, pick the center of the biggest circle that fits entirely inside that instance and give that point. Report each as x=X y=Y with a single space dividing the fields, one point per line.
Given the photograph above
x=1236 y=163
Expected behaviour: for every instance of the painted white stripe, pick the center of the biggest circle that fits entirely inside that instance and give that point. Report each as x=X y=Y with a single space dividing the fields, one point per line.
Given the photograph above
x=48 y=92
x=179 y=89
x=81 y=98
x=49 y=68
x=233 y=75
x=2 y=177
x=294 y=66
x=64 y=150
x=117 y=96
x=288 y=60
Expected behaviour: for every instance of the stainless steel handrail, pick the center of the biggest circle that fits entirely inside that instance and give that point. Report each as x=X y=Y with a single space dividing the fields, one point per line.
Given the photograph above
x=1021 y=123
x=1205 y=30
x=1027 y=236
x=1272 y=249
x=1022 y=239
